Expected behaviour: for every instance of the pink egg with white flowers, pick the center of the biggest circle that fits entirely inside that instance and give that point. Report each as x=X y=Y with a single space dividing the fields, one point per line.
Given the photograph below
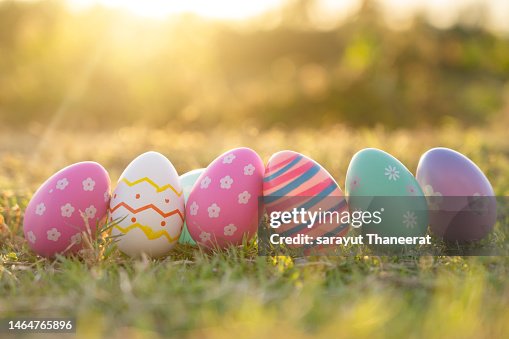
x=64 y=205
x=223 y=206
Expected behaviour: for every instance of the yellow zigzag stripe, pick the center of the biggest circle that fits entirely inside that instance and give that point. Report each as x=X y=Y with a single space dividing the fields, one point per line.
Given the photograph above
x=157 y=187
x=149 y=232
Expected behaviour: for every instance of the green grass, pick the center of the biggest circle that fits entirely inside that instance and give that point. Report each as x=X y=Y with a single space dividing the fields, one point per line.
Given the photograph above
x=234 y=293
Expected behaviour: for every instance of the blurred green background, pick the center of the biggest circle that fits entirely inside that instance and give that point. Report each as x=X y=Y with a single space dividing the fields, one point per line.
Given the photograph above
x=106 y=80
x=287 y=65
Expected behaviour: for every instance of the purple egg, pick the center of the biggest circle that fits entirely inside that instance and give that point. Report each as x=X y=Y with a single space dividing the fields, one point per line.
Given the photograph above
x=461 y=201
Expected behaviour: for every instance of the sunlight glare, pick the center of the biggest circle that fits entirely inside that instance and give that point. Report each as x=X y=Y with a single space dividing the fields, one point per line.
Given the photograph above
x=217 y=9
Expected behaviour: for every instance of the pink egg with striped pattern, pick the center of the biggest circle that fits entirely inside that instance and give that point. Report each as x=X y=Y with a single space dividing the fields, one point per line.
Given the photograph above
x=223 y=206
x=60 y=210
x=294 y=181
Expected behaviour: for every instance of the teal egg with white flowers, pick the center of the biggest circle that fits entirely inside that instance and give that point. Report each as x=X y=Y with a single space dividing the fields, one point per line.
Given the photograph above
x=187 y=181
x=378 y=182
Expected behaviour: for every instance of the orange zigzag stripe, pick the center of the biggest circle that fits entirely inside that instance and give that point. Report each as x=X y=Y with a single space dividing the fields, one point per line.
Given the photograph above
x=157 y=187
x=148 y=231
x=146 y=207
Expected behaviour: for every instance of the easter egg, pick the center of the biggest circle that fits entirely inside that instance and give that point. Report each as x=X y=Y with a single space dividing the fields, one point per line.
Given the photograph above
x=377 y=181
x=187 y=181
x=69 y=203
x=223 y=206
x=460 y=197
x=147 y=207
x=294 y=182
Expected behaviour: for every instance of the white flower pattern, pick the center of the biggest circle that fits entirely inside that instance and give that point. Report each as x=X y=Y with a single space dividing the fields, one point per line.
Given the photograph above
x=67 y=210
x=76 y=239
x=214 y=210
x=53 y=234
x=409 y=219
x=205 y=182
x=244 y=197
x=88 y=184
x=62 y=184
x=230 y=230
x=90 y=212
x=434 y=198
x=40 y=209
x=249 y=169
x=204 y=236
x=392 y=172
x=226 y=182
x=31 y=237
x=228 y=159
x=193 y=209
x=106 y=196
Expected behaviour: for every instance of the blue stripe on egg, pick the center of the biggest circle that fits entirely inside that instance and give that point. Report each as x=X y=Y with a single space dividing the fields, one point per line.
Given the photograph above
x=283 y=170
x=292 y=185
